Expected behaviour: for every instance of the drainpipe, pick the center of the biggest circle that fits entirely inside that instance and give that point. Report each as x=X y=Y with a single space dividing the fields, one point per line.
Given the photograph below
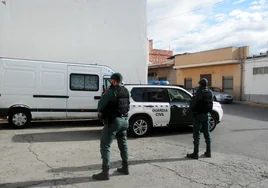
x=241 y=79
x=242 y=62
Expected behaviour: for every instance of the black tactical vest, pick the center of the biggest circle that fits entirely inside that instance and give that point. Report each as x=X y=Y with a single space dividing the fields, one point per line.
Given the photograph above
x=206 y=104
x=120 y=104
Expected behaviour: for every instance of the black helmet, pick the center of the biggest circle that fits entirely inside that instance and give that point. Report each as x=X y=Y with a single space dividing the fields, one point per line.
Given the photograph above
x=117 y=76
x=203 y=82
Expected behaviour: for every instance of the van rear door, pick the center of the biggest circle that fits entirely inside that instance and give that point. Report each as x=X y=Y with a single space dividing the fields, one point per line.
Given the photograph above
x=84 y=91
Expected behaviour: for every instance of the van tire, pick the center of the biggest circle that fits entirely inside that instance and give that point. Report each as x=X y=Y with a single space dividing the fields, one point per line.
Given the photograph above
x=19 y=118
x=137 y=122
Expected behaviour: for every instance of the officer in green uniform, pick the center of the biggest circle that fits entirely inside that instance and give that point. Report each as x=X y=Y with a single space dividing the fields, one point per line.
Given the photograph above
x=201 y=106
x=113 y=109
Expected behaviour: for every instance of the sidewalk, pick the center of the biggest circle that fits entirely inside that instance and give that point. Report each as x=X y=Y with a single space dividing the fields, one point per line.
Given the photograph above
x=33 y=161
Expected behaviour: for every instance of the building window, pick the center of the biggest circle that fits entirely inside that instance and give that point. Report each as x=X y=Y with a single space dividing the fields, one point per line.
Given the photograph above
x=227 y=83
x=188 y=83
x=162 y=78
x=152 y=76
x=260 y=70
x=84 y=82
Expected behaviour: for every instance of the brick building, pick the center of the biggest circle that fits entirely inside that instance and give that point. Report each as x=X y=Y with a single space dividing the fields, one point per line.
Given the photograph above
x=157 y=56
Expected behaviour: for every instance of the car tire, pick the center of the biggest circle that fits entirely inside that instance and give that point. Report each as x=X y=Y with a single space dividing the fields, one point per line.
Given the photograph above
x=19 y=118
x=213 y=120
x=140 y=126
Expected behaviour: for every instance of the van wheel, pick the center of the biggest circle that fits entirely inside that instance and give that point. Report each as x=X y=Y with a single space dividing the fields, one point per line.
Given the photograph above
x=19 y=118
x=140 y=126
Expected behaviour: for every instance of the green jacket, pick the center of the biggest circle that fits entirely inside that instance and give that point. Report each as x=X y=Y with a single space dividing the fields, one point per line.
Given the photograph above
x=106 y=98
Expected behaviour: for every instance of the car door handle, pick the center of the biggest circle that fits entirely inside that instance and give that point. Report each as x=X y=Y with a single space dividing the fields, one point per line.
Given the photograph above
x=97 y=97
x=149 y=106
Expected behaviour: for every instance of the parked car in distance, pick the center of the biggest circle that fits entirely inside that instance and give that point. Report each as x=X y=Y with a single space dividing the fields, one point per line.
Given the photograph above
x=221 y=96
x=218 y=94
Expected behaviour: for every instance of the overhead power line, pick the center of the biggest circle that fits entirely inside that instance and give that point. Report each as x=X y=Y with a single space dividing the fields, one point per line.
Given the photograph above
x=193 y=10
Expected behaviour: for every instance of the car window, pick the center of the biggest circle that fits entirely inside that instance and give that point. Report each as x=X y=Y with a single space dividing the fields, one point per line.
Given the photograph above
x=149 y=95
x=138 y=94
x=157 y=95
x=215 y=89
x=177 y=95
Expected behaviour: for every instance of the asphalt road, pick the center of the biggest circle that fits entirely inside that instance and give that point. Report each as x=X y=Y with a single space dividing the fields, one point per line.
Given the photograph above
x=65 y=154
x=243 y=131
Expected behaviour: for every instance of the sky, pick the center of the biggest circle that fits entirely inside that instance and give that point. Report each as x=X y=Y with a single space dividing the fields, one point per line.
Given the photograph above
x=198 y=25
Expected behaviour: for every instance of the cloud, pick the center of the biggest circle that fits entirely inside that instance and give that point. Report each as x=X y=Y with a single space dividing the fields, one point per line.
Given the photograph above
x=254 y=2
x=204 y=29
x=220 y=17
x=238 y=2
x=246 y=16
x=257 y=5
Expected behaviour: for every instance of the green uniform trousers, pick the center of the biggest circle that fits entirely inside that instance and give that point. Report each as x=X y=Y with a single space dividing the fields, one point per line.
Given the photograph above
x=118 y=128
x=201 y=122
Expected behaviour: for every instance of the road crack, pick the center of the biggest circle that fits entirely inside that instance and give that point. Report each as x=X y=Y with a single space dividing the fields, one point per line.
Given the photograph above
x=30 y=141
x=36 y=155
x=56 y=174
x=184 y=177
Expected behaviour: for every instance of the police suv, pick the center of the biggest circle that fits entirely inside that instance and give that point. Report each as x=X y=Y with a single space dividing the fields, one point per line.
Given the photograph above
x=161 y=106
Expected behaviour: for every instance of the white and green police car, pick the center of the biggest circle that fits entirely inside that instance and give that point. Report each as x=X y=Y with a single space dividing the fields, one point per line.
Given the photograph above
x=161 y=106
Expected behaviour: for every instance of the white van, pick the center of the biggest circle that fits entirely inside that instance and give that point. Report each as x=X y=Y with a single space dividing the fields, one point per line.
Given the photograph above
x=31 y=89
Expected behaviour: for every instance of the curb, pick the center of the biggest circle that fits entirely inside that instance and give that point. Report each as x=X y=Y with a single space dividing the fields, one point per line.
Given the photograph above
x=258 y=105
x=252 y=104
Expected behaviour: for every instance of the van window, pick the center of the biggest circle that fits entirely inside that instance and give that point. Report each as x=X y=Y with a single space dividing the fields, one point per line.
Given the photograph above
x=84 y=82
x=106 y=82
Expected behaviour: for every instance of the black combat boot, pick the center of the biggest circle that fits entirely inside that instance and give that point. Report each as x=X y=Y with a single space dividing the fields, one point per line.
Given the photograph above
x=104 y=175
x=193 y=155
x=208 y=151
x=124 y=169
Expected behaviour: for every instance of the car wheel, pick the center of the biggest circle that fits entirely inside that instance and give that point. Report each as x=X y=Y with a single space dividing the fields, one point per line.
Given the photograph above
x=212 y=121
x=19 y=118
x=140 y=126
